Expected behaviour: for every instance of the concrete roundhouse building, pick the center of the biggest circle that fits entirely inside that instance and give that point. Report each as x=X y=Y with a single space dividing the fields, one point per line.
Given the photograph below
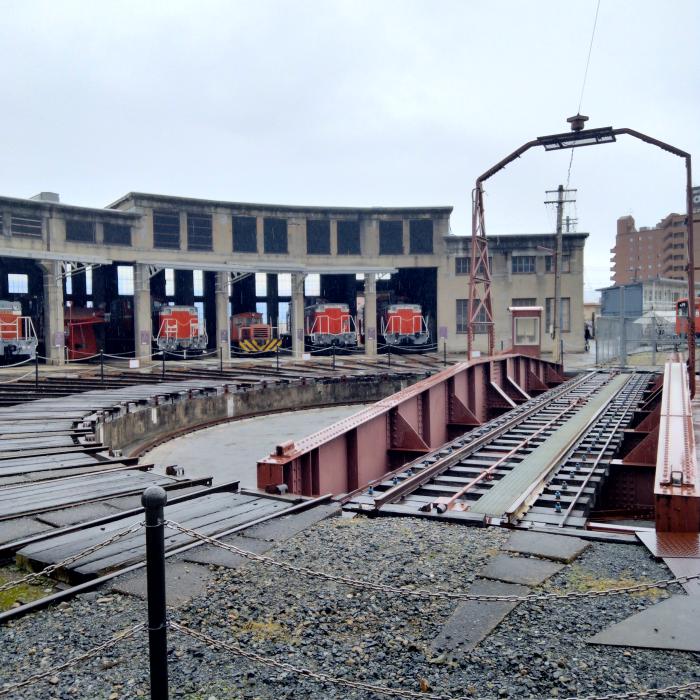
x=225 y=257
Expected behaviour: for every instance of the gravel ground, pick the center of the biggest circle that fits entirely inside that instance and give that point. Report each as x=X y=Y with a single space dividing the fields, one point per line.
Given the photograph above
x=538 y=651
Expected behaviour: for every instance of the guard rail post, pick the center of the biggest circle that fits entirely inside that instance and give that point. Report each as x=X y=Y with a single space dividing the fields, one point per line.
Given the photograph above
x=333 y=357
x=388 y=354
x=154 y=499
x=102 y=365
x=162 y=370
x=36 y=369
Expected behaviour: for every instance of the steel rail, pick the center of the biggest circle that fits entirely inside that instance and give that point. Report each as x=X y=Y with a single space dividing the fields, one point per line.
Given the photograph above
x=523 y=499
x=596 y=462
x=412 y=483
x=96 y=582
x=449 y=502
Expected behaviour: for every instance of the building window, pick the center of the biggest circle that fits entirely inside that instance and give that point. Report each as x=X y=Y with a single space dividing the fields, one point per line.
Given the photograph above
x=260 y=284
x=245 y=234
x=117 y=234
x=391 y=238
x=125 y=280
x=565 y=263
x=68 y=276
x=261 y=308
x=318 y=237
x=421 y=236
x=166 y=230
x=199 y=305
x=284 y=285
x=565 y=313
x=17 y=284
x=312 y=285
x=198 y=231
x=462 y=265
x=198 y=283
x=523 y=264
x=480 y=326
x=527 y=331
x=169 y=282
x=348 y=238
x=81 y=231
x=524 y=301
x=275 y=235
x=88 y=281
x=25 y=226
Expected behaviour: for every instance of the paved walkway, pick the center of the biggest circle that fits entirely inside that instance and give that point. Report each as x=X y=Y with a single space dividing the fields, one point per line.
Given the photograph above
x=231 y=451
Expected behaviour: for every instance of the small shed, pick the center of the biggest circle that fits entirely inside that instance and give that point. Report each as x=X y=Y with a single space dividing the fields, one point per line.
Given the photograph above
x=526 y=329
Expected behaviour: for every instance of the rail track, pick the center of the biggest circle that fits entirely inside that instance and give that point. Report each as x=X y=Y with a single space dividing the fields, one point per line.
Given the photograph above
x=22 y=384
x=541 y=464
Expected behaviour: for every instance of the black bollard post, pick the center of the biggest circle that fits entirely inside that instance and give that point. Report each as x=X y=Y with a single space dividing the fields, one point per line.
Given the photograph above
x=154 y=499
x=162 y=372
x=102 y=365
x=334 y=358
x=36 y=369
x=444 y=354
x=221 y=359
x=388 y=354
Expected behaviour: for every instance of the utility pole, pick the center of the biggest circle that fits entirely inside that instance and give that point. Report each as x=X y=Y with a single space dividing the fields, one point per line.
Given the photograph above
x=557 y=315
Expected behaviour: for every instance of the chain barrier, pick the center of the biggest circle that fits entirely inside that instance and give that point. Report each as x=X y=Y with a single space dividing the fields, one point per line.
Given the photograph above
x=19 y=379
x=423 y=593
x=18 y=364
x=73 y=558
x=95 y=651
x=298 y=670
x=321 y=677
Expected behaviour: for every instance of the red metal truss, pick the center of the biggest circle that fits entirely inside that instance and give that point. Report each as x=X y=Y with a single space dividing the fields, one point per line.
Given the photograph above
x=479 y=310
x=676 y=486
x=364 y=447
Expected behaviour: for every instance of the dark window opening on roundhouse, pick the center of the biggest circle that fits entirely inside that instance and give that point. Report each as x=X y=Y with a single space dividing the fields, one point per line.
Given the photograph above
x=275 y=235
x=348 y=238
x=390 y=237
x=245 y=236
x=318 y=237
x=25 y=226
x=199 y=232
x=421 y=236
x=166 y=230
x=80 y=231
x=480 y=325
x=117 y=234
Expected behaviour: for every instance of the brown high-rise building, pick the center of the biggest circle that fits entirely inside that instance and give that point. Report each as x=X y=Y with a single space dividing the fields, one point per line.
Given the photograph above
x=661 y=251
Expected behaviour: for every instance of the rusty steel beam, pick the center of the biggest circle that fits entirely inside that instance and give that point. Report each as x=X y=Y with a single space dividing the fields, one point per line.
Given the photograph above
x=676 y=485
x=392 y=432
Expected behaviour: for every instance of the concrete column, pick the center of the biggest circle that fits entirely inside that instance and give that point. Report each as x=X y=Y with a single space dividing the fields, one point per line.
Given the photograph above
x=222 y=318
x=143 y=325
x=54 y=331
x=370 y=315
x=298 y=314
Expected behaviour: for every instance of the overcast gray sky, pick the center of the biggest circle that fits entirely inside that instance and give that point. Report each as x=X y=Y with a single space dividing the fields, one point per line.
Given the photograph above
x=358 y=103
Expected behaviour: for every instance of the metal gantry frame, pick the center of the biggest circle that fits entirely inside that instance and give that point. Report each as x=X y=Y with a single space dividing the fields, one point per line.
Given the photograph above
x=480 y=309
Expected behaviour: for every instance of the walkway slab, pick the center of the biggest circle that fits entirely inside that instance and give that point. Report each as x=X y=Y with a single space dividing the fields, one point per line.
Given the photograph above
x=670 y=624
x=183 y=581
x=473 y=620
x=287 y=526
x=529 y=572
x=212 y=555
x=555 y=547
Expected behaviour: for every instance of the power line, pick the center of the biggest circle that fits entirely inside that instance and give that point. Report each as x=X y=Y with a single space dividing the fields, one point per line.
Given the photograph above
x=583 y=85
x=588 y=60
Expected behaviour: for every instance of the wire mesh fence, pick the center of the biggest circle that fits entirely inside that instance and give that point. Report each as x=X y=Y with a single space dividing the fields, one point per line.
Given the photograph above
x=640 y=341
